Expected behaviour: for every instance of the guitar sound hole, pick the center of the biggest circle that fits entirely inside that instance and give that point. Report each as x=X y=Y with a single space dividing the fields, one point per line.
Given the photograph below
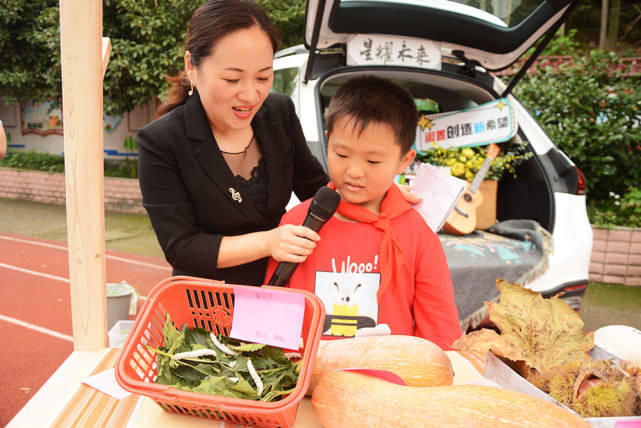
x=467 y=197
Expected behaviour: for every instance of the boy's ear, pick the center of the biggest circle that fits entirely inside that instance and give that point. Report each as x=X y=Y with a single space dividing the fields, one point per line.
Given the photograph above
x=406 y=160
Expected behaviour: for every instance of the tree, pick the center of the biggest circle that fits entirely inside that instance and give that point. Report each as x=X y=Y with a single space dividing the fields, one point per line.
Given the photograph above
x=289 y=17
x=147 y=38
x=613 y=23
x=591 y=110
x=29 y=50
x=603 y=40
x=599 y=22
x=148 y=43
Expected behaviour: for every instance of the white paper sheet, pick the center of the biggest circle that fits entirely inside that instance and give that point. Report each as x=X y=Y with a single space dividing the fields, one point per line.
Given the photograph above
x=440 y=192
x=106 y=382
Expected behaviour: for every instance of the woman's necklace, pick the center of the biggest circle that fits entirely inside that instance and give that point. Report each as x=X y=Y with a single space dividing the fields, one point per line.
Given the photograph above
x=235 y=162
x=243 y=151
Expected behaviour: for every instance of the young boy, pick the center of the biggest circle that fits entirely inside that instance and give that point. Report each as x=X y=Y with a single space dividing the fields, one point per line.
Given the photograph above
x=377 y=261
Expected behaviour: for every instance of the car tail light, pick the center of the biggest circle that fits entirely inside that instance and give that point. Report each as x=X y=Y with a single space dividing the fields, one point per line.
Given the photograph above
x=573 y=295
x=575 y=287
x=580 y=182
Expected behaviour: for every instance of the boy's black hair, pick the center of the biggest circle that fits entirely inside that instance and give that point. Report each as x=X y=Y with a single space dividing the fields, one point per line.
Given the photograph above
x=368 y=99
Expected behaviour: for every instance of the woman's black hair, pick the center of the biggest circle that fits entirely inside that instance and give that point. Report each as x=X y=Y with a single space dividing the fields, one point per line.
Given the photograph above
x=211 y=22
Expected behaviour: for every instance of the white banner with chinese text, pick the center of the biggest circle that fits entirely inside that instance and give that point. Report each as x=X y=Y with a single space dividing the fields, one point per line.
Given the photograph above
x=380 y=49
x=492 y=122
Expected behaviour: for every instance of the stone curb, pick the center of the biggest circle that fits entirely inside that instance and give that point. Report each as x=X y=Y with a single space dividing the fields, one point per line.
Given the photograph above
x=121 y=194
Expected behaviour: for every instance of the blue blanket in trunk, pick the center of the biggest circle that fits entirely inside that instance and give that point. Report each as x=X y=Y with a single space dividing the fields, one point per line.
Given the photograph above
x=514 y=250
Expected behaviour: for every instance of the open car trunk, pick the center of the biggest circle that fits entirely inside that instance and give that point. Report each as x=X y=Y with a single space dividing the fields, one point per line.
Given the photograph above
x=492 y=35
x=443 y=51
x=528 y=196
x=477 y=259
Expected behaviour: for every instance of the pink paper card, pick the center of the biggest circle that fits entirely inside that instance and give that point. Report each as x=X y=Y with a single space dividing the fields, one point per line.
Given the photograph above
x=271 y=317
x=382 y=374
x=628 y=424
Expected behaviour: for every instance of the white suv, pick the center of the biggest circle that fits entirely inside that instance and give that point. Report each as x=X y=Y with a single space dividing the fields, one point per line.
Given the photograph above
x=345 y=38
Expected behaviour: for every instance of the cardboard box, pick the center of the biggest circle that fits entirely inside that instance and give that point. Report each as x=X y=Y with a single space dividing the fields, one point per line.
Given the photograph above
x=499 y=372
x=486 y=211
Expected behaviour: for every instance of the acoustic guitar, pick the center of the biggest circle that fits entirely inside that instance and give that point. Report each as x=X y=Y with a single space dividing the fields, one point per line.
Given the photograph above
x=462 y=219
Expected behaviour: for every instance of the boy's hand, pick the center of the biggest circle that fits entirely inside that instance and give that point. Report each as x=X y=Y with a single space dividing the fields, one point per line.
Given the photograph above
x=408 y=195
x=290 y=243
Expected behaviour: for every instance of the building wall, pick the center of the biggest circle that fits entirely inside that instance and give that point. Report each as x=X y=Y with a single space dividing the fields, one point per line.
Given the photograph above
x=15 y=119
x=616 y=256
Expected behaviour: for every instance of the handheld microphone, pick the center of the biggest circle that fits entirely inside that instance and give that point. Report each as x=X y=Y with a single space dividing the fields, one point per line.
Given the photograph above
x=321 y=209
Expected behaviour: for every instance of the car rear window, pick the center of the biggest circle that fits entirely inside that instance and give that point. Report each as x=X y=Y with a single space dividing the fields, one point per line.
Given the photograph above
x=508 y=13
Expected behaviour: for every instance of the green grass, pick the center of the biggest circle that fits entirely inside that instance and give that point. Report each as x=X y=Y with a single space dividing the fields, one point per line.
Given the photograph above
x=606 y=304
x=129 y=233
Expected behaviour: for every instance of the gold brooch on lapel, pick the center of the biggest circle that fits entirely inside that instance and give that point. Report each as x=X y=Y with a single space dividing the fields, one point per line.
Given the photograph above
x=235 y=195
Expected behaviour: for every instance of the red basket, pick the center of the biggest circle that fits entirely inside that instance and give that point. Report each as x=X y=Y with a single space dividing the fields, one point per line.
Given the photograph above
x=208 y=304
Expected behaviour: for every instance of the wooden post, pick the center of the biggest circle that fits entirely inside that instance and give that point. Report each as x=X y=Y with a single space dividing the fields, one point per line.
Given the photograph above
x=105 y=51
x=82 y=73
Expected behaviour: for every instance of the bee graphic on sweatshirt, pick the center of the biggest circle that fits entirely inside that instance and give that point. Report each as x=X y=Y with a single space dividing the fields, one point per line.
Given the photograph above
x=347 y=298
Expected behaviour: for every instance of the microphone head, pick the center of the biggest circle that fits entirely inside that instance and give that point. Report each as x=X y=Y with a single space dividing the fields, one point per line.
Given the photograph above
x=325 y=203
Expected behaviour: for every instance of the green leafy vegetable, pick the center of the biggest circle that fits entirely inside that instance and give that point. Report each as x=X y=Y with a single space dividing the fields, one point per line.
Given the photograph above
x=193 y=359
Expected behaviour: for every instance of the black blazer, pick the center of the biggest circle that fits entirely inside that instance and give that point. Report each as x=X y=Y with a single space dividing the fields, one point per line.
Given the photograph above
x=184 y=181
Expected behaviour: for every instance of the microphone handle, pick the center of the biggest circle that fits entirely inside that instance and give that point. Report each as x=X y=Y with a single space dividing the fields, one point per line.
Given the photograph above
x=314 y=222
x=282 y=273
x=285 y=269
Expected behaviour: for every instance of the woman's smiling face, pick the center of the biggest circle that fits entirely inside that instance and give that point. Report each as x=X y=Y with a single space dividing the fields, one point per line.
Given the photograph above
x=234 y=80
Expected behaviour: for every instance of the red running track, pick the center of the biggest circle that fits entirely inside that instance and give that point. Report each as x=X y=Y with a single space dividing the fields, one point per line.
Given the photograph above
x=35 y=310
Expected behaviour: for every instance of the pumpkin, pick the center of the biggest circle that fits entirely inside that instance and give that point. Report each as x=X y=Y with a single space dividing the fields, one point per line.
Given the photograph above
x=348 y=399
x=417 y=361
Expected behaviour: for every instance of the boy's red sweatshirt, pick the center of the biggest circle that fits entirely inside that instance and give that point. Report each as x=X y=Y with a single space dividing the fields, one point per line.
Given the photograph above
x=344 y=272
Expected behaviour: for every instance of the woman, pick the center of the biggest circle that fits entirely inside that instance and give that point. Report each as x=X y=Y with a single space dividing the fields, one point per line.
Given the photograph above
x=218 y=166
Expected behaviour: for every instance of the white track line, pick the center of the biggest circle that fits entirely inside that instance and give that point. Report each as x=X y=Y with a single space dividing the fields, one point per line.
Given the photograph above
x=33 y=272
x=136 y=262
x=36 y=328
x=60 y=247
x=56 y=278
x=45 y=275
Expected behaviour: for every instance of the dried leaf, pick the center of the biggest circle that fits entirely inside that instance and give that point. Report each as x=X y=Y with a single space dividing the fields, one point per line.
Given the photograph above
x=546 y=333
x=543 y=340
x=536 y=334
x=485 y=340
